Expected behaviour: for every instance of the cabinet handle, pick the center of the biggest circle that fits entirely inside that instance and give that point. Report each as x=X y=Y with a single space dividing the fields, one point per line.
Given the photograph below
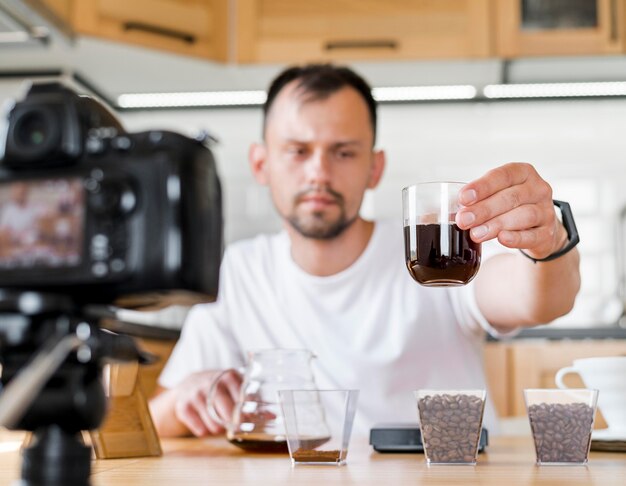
x=153 y=29
x=613 y=27
x=361 y=44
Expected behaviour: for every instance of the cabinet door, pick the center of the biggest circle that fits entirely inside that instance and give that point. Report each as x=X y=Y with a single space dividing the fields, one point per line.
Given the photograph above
x=193 y=27
x=558 y=27
x=305 y=30
x=61 y=8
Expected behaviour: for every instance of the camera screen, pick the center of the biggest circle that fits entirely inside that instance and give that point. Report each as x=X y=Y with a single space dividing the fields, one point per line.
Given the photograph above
x=41 y=223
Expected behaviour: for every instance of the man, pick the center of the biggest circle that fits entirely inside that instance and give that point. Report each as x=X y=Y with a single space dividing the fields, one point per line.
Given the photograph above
x=336 y=284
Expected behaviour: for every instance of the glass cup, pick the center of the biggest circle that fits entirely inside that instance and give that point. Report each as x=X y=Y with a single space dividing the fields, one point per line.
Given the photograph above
x=561 y=422
x=450 y=422
x=318 y=424
x=437 y=252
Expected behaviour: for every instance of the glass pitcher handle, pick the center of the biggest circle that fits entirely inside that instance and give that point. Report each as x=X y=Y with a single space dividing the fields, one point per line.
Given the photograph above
x=210 y=400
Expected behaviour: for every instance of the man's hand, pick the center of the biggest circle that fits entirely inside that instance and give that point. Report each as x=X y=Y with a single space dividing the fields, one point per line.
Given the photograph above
x=184 y=408
x=513 y=204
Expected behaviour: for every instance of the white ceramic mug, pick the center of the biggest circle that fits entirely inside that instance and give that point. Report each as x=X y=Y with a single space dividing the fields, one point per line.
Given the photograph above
x=608 y=375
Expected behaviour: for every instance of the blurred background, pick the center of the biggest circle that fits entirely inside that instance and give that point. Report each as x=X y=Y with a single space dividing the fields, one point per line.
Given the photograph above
x=488 y=82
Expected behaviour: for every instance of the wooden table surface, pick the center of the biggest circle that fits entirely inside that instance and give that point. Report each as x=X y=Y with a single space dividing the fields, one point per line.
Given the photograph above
x=509 y=461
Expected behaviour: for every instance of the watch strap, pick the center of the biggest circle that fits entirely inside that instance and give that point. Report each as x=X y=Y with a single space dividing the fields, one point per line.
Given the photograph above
x=570 y=227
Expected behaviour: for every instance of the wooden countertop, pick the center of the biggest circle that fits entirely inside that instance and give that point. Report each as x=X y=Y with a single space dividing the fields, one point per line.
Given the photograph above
x=509 y=461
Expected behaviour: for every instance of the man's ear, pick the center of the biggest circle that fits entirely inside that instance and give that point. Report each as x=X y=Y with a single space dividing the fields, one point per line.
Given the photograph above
x=257 y=156
x=377 y=169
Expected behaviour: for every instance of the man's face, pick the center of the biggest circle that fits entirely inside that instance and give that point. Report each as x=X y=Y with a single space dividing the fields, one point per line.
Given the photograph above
x=19 y=193
x=318 y=160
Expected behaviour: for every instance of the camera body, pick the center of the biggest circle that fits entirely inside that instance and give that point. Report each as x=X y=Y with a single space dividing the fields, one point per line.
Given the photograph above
x=89 y=210
x=88 y=213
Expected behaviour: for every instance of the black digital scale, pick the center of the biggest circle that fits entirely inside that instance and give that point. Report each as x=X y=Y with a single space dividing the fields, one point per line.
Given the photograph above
x=406 y=437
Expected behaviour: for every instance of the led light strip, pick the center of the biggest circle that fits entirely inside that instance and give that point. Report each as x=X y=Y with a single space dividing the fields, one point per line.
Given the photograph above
x=385 y=94
x=191 y=99
x=554 y=90
x=256 y=98
x=425 y=93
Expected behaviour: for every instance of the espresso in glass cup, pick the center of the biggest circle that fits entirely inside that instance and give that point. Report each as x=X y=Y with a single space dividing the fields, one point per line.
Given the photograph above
x=437 y=252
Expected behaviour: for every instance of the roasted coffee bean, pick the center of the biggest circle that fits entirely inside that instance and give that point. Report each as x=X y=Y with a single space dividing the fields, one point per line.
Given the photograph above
x=450 y=427
x=562 y=431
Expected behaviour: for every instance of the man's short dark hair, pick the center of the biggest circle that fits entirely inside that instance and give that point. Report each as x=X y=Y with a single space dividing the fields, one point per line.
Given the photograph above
x=318 y=82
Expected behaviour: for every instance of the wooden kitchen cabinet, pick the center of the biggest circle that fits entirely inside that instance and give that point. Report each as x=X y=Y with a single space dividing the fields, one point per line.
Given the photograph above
x=191 y=27
x=558 y=27
x=61 y=8
x=285 y=31
x=512 y=366
x=326 y=30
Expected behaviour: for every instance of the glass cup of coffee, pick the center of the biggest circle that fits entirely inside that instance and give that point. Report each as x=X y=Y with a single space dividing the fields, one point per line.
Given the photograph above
x=438 y=253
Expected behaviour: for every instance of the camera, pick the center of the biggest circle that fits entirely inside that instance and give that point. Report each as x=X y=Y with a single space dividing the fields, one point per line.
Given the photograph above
x=89 y=213
x=91 y=210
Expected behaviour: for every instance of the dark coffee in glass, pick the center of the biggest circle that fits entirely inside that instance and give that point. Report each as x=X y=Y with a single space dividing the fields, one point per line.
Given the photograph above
x=437 y=252
x=440 y=254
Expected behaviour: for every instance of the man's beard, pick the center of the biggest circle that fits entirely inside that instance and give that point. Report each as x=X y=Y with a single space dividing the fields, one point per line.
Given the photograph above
x=316 y=225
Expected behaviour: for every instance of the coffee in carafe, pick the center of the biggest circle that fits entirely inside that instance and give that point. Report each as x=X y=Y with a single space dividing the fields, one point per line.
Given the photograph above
x=260 y=443
x=257 y=442
x=257 y=422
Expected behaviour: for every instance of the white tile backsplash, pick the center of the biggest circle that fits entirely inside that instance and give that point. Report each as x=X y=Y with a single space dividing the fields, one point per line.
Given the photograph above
x=593 y=233
x=591 y=283
x=584 y=191
x=258 y=202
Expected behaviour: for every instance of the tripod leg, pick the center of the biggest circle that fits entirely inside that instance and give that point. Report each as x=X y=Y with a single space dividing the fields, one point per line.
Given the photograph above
x=56 y=458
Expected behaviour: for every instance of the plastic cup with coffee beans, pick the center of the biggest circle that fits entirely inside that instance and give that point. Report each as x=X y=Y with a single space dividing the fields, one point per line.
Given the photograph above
x=450 y=423
x=561 y=422
x=318 y=425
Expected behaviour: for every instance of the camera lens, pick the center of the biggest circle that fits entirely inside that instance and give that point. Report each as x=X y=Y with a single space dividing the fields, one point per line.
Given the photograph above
x=33 y=130
x=34 y=135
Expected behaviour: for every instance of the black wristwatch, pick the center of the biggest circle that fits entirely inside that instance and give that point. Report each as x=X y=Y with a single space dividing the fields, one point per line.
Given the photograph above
x=570 y=227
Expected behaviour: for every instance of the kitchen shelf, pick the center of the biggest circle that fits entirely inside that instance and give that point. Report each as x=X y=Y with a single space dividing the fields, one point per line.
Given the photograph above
x=546 y=332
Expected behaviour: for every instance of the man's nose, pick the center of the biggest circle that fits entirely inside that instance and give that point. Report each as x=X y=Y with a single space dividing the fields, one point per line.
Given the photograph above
x=318 y=168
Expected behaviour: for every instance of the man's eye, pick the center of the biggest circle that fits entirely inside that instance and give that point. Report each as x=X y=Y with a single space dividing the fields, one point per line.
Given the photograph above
x=299 y=151
x=346 y=154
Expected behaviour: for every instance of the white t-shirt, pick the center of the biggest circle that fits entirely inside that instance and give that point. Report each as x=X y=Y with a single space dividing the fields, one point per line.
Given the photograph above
x=371 y=326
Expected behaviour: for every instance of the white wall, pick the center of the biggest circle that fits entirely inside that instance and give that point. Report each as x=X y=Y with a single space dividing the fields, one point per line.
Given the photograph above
x=578 y=146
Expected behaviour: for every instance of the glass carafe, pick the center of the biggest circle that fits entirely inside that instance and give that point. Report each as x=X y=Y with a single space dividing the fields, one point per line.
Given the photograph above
x=257 y=422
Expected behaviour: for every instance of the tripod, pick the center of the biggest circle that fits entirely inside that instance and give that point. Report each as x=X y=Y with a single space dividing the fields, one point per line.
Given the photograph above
x=52 y=358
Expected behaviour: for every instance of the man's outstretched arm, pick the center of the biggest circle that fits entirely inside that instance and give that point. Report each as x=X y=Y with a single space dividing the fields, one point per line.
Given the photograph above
x=514 y=204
